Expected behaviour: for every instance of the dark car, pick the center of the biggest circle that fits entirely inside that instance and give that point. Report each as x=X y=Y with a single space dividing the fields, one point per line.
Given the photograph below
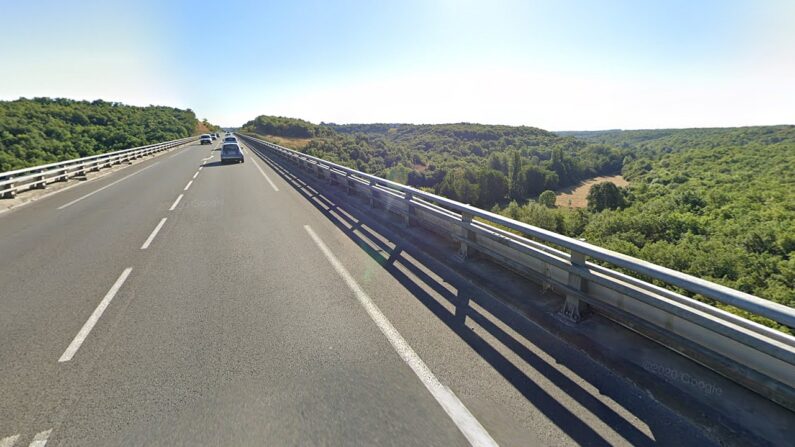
x=231 y=152
x=230 y=139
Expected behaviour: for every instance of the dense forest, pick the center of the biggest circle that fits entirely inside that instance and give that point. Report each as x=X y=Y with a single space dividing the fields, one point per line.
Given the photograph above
x=477 y=164
x=42 y=130
x=715 y=203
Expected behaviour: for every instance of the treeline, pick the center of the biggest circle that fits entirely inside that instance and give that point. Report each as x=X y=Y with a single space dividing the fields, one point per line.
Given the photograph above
x=43 y=130
x=718 y=204
x=484 y=165
x=284 y=127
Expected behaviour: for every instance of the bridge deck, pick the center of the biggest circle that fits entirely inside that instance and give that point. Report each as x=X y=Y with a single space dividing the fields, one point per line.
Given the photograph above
x=234 y=328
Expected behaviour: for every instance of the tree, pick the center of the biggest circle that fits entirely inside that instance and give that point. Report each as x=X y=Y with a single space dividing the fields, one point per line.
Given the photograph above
x=604 y=195
x=515 y=176
x=458 y=185
x=493 y=187
x=533 y=180
x=547 y=198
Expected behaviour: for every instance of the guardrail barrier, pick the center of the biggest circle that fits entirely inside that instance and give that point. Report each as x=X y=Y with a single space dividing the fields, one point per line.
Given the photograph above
x=37 y=177
x=755 y=356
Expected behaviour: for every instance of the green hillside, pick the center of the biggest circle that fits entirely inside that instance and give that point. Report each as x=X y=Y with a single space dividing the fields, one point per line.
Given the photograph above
x=479 y=164
x=43 y=130
x=715 y=203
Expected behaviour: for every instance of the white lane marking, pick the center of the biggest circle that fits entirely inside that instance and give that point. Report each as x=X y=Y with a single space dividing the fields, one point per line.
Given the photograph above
x=194 y=175
x=188 y=185
x=455 y=409
x=205 y=159
x=9 y=441
x=154 y=233
x=92 y=320
x=40 y=440
x=200 y=167
x=273 y=185
x=176 y=202
x=105 y=187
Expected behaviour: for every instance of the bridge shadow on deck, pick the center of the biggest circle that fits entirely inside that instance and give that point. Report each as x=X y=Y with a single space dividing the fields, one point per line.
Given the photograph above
x=391 y=246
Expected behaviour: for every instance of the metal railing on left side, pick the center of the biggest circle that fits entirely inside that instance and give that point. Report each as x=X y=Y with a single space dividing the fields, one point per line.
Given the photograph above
x=37 y=177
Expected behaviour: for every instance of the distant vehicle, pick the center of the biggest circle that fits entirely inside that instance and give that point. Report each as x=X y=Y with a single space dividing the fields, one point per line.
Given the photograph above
x=231 y=152
x=213 y=136
x=230 y=139
x=206 y=139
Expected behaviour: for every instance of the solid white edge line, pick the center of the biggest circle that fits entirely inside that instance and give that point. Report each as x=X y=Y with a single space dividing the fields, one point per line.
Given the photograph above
x=153 y=234
x=106 y=186
x=40 y=440
x=176 y=202
x=9 y=441
x=92 y=320
x=188 y=185
x=470 y=427
x=273 y=185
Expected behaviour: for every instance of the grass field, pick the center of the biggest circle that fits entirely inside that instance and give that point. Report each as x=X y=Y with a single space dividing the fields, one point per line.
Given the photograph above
x=575 y=196
x=292 y=143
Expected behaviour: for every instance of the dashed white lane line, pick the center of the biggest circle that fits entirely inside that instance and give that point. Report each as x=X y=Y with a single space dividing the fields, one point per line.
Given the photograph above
x=470 y=427
x=188 y=185
x=9 y=441
x=92 y=320
x=194 y=175
x=176 y=202
x=154 y=233
x=106 y=186
x=40 y=440
x=273 y=185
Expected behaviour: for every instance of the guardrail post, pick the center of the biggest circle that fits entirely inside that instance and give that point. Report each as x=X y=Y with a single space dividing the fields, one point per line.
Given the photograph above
x=574 y=309
x=348 y=188
x=40 y=182
x=11 y=193
x=465 y=249
x=373 y=193
x=63 y=177
x=407 y=196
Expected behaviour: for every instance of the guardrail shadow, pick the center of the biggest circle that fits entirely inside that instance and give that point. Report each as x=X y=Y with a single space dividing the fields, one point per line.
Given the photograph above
x=389 y=249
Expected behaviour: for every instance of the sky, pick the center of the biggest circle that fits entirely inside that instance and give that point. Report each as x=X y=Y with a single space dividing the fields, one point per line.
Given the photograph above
x=557 y=64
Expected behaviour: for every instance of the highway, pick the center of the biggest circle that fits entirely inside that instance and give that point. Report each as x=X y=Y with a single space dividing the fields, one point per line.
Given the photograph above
x=183 y=302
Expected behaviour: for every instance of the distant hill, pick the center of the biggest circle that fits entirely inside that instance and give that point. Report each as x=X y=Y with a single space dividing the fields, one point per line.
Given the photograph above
x=475 y=163
x=715 y=203
x=43 y=130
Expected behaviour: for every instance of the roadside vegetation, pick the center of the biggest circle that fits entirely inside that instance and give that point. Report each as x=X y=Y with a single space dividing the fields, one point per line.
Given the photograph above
x=43 y=130
x=715 y=203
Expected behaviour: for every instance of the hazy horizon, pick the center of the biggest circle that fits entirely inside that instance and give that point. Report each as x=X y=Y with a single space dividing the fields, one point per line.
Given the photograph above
x=574 y=65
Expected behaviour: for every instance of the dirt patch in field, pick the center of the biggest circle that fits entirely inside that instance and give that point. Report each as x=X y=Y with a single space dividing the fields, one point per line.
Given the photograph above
x=576 y=196
x=291 y=143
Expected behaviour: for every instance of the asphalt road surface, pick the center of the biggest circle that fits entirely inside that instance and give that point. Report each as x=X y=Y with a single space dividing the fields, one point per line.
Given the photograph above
x=184 y=302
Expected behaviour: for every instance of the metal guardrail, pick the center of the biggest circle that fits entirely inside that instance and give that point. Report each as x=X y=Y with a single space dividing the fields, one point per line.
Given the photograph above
x=756 y=356
x=37 y=177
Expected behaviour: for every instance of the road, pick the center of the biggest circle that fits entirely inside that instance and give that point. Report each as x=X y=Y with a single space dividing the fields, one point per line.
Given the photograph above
x=184 y=302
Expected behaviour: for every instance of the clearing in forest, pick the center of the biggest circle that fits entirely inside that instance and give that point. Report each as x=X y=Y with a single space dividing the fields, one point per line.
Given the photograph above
x=576 y=196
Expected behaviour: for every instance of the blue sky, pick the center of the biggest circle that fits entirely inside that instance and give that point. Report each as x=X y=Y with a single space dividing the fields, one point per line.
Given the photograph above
x=553 y=64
